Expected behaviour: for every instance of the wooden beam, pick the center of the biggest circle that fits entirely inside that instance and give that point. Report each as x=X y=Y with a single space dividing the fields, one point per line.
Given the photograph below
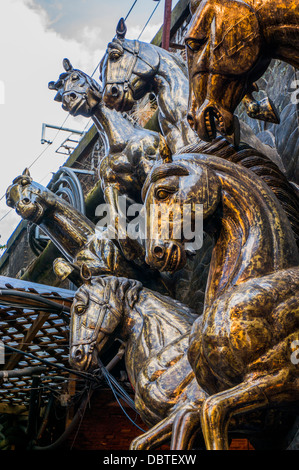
x=13 y=409
x=31 y=333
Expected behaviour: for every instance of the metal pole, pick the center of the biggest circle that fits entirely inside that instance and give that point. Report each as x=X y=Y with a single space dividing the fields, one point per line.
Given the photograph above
x=166 y=25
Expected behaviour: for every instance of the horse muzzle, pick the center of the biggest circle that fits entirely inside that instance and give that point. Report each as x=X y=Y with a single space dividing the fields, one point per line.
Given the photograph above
x=169 y=256
x=117 y=96
x=29 y=210
x=76 y=103
x=211 y=119
x=82 y=357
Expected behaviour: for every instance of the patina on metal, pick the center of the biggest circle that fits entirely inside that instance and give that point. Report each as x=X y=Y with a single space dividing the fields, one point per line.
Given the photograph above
x=230 y=44
x=73 y=233
x=155 y=330
x=131 y=69
x=130 y=150
x=240 y=348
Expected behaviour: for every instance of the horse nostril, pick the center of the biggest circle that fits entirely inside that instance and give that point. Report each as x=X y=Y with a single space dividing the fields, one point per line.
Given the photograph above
x=159 y=252
x=25 y=200
x=114 y=91
x=78 y=355
x=72 y=96
x=190 y=120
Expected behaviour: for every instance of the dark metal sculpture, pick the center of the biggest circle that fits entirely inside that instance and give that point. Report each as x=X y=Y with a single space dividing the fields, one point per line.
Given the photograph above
x=130 y=150
x=241 y=347
x=229 y=46
x=155 y=330
x=131 y=69
x=72 y=232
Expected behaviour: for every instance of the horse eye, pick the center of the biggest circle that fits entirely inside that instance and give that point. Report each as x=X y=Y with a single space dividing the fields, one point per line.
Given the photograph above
x=80 y=309
x=163 y=194
x=75 y=77
x=114 y=55
x=24 y=182
x=195 y=45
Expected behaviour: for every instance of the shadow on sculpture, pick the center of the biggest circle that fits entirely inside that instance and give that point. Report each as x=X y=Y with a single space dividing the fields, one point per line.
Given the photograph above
x=130 y=150
x=155 y=333
x=229 y=46
x=241 y=347
x=155 y=330
x=72 y=233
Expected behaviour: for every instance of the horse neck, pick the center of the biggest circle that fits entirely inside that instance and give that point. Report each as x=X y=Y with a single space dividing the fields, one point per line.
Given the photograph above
x=68 y=229
x=114 y=128
x=154 y=322
x=281 y=41
x=171 y=88
x=255 y=238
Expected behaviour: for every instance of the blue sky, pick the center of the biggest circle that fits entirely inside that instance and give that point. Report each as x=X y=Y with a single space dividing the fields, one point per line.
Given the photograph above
x=35 y=36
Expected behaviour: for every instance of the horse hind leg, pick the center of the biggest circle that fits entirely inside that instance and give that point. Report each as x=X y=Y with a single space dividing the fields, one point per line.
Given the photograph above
x=218 y=409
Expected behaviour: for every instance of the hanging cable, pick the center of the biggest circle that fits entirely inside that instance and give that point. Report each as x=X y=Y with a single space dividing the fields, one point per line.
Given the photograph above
x=144 y=27
x=130 y=10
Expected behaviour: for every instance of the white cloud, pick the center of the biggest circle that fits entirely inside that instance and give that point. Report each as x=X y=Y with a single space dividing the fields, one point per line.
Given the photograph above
x=31 y=56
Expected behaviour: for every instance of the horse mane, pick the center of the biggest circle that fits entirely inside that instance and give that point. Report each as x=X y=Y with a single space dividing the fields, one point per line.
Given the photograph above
x=122 y=287
x=259 y=164
x=129 y=291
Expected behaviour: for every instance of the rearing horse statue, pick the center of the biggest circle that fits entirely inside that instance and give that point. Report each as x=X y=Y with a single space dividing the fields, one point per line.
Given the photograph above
x=76 y=237
x=230 y=44
x=241 y=347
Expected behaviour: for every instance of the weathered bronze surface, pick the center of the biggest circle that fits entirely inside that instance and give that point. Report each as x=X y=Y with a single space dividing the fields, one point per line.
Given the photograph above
x=130 y=150
x=132 y=69
x=229 y=46
x=155 y=330
x=72 y=232
x=240 y=348
x=198 y=373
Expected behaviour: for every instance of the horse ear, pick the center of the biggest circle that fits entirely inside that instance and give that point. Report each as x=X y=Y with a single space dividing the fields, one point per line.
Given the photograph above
x=85 y=273
x=26 y=172
x=62 y=268
x=194 y=4
x=121 y=29
x=67 y=65
x=51 y=86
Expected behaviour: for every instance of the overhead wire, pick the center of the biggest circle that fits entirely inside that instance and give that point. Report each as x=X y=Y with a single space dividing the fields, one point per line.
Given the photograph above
x=150 y=17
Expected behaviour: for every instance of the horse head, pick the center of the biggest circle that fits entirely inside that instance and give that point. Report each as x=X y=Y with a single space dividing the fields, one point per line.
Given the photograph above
x=224 y=54
x=96 y=313
x=27 y=198
x=78 y=92
x=127 y=70
x=172 y=193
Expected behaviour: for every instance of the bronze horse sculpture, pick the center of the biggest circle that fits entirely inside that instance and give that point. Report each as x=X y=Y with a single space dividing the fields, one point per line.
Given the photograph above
x=155 y=330
x=131 y=69
x=72 y=233
x=241 y=347
x=230 y=44
x=130 y=150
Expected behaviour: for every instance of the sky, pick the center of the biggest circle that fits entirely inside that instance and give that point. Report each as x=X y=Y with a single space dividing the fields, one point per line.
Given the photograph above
x=35 y=37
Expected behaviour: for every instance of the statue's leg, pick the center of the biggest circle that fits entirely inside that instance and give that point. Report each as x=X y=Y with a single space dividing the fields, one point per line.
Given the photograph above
x=185 y=428
x=218 y=409
x=156 y=436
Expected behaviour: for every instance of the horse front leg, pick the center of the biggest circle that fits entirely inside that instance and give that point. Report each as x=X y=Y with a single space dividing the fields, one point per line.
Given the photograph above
x=186 y=426
x=156 y=436
x=218 y=409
